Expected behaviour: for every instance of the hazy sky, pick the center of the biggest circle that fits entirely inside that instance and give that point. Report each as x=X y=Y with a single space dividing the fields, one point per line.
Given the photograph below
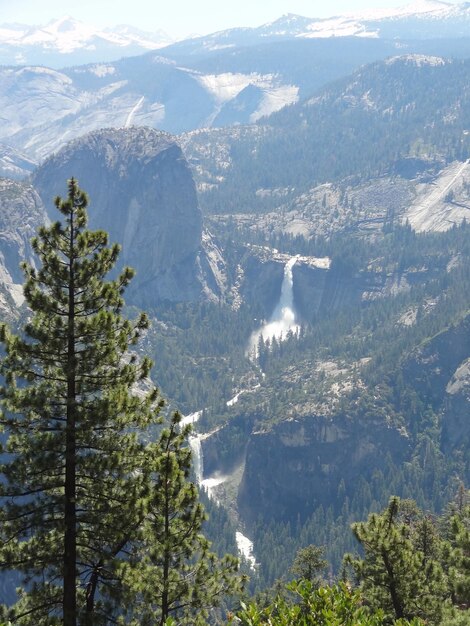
x=180 y=17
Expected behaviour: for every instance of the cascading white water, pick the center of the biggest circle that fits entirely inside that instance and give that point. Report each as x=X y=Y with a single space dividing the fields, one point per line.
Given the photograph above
x=195 y=445
x=245 y=548
x=280 y=323
x=198 y=460
x=244 y=545
x=283 y=318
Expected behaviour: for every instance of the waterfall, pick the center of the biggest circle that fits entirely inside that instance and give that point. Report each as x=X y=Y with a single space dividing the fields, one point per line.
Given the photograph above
x=282 y=319
x=284 y=310
x=198 y=460
x=245 y=548
x=195 y=445
x=244 y=545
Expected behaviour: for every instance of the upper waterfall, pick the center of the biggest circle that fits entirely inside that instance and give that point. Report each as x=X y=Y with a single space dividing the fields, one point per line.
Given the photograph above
x=283 y=318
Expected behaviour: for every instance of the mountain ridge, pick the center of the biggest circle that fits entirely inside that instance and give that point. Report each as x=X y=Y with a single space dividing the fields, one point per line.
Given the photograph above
x=66 y=41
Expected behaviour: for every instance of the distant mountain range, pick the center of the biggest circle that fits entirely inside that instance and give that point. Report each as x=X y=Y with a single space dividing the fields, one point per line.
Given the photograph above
x=67 y=41
x=43 y=108
x=234 y=77
x=407 y=116
x=422 y=19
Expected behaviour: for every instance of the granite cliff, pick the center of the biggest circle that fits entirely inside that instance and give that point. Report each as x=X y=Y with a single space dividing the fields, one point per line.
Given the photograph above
x=297 y=465
x=21 y=213
x=142 y=193
x=440 y=372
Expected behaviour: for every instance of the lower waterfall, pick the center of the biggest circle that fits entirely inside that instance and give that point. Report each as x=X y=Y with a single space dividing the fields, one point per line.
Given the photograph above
x=244 y=545
x=198 y=459
x=194 y=441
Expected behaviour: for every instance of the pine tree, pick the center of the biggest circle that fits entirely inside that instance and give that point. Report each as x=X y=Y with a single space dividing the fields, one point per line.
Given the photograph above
x=173 y=572
x=458 y=555
x=74 y=492
x=400 y=572
x=309 y=562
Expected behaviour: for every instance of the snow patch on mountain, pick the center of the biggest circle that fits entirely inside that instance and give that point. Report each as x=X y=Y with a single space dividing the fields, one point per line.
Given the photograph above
x=366 y=23
x=150 y=40
x=337 y=27
x=224 y=87
x=67 y=34
x=10 y=34
x=419 y=7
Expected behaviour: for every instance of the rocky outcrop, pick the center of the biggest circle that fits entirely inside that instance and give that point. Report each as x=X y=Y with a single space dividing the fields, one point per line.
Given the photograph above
x=224 y=448
x=14 y=164
x=297 y=465
x=439 y=370
x=21 y=213
x=456 y=412
x=320 y=288
x=262 y=280
x=142 y=193
x=431 y=366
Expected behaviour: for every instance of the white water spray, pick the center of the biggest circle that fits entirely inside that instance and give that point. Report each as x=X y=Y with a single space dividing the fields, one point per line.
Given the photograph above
x=195 y=445
x=244 y=545
x=283 y=318
x=245 y=548
x=198 y=459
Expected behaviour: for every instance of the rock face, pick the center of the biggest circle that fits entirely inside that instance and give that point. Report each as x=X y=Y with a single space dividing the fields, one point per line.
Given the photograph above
x=298 y=464
x=13 y=164
x=263 y=274
x=440 y=371
x=455 y=416
x=142 y=193
x=262 y=283
x=431 y=367
x=21 y=213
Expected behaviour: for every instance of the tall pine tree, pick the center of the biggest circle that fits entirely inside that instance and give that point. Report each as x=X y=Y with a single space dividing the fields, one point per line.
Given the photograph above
x=172 y=572
x=74 y=492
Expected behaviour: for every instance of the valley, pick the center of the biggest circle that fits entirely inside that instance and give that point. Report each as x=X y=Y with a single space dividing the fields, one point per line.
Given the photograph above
x=296 y=211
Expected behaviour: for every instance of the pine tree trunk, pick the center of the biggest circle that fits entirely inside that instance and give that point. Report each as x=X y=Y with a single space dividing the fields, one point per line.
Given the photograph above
x=392 y=586
x=166 y=558
x=70 y=514
x=90 y=596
